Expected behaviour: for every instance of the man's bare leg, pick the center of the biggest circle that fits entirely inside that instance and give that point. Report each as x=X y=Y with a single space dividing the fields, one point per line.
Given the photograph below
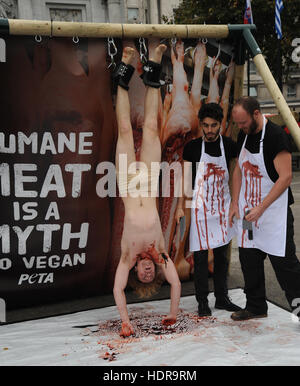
x=125 y=144
x=151 y=146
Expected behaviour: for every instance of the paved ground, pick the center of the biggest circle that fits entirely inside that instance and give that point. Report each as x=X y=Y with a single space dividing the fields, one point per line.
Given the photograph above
x=235 y=280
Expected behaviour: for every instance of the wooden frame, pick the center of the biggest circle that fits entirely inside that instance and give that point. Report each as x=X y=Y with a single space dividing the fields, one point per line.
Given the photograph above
x=94 y=30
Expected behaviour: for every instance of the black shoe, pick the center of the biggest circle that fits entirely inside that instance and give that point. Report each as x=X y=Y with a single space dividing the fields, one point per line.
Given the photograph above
x=226 y=304
x=246 y=315
x=203 y=309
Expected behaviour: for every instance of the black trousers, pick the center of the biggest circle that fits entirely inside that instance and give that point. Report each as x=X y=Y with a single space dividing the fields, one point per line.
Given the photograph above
x=287 y=270
x=219 y=276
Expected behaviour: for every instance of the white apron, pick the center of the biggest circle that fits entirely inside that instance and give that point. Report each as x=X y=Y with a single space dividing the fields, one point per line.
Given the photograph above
x=211 y=201
x=269 y=231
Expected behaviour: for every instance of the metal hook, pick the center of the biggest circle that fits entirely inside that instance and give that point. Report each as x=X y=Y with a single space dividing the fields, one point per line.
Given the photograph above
x=143 y=50
x=75 y=39
x=112 y=51
x=203 y=40
x=187 y=50
x=217 y=57
x=173 y=42
x=38 y=38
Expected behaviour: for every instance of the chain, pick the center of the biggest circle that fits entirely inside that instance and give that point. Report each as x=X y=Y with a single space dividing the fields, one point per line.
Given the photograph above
x=112 y=51
x=143 y=50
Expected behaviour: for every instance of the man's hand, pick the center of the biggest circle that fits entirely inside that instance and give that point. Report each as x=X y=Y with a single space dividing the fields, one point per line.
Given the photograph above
x=233 y=212
x=126 y=329
x=169 y=320
x=254 y=213
x=178 y=214
x=156 y=256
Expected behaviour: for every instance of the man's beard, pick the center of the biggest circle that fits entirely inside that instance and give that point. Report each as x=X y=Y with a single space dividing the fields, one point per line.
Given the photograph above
x=253 y=127
x=214 y=138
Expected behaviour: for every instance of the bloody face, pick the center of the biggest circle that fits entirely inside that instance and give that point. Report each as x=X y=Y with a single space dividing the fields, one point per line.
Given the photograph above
x=211 y=129
x=145 y=268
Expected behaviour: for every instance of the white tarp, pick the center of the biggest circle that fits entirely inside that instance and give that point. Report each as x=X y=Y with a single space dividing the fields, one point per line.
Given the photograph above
x=192 y=342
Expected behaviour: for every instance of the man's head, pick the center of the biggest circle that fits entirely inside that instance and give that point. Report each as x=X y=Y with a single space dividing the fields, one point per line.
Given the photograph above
x=145 y=268
x=210 y=117
x=247 y=115
x=145 y=277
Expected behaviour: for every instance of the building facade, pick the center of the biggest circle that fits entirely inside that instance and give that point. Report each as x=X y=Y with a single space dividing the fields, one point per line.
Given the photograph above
x=100 y=11
x=258 y=89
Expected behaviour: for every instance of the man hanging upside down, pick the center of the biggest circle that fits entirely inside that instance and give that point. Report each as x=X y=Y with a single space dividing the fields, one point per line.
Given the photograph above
x=143 y=255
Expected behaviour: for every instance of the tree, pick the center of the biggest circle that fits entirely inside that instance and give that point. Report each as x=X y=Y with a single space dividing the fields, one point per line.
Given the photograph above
x=232 y=12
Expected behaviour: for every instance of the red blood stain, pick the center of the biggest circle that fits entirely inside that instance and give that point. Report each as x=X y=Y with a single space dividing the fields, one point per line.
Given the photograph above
x=168 y=322
x=151 y=254
x=252 y=189
x=146 y=324
x=217 y=173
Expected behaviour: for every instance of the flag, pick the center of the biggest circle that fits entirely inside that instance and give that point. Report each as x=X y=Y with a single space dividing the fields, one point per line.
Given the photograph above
x=278 y=9
x=248 y=18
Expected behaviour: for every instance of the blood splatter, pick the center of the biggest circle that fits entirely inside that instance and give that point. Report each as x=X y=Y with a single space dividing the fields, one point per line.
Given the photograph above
x=208 y=200
x=149 y=325
x=252 y=193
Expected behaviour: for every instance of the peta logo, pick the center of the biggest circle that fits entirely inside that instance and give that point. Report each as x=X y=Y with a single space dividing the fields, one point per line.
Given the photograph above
x=2 y=311
x=296 y=52
x=2 y=50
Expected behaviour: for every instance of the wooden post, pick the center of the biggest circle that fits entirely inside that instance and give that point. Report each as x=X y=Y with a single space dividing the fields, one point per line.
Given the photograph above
x=278 y=98
x=272 y=86
x=238 y=91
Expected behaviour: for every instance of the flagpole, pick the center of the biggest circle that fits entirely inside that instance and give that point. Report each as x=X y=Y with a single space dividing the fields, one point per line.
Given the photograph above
x=278 y=9
x=248 y=19
x=248 y=72
x=279 y=64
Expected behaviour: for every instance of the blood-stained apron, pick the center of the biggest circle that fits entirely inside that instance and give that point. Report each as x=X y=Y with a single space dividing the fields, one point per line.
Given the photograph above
x=211 y=201
x=269 y=231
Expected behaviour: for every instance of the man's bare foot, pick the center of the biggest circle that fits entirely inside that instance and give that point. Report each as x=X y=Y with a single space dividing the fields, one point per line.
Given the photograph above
x=158 y=53
x=128 y=55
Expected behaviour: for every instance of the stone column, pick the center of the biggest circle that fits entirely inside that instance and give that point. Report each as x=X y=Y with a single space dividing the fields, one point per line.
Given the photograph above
x=153 y=12
x=25 y=9
x=39 y=10
x=114 y=11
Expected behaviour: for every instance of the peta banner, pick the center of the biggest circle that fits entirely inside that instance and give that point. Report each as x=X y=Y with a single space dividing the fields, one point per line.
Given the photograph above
x=61 y=214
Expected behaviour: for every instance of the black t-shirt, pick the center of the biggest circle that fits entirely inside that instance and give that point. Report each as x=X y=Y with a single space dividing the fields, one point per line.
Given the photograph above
x=275 y=141
x=192 y=151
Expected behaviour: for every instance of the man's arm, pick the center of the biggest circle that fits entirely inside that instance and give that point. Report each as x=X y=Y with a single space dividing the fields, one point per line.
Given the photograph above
x=172 y=278
x=187 y=190
x=121 y=279
x=236 y=187
x=283 y=166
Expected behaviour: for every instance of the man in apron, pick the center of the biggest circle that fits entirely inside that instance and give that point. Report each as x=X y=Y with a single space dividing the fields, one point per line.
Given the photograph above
x=260 y=204
x=210 y=157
